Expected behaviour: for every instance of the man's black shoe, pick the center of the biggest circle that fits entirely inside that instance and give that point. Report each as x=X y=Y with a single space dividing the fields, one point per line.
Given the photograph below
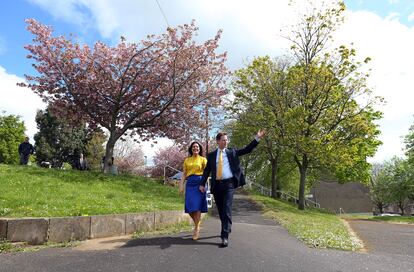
x=224 y=242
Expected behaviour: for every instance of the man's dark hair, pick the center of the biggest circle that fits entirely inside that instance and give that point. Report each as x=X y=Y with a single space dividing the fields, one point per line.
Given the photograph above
x=218 y=137
x=190 y=149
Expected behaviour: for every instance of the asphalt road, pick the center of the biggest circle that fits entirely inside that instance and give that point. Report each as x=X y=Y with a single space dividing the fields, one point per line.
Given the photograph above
x=256 y=244
x=381 y=237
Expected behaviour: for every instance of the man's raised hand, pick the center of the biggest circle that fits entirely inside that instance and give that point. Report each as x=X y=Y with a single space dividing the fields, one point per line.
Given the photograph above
x=261 y=133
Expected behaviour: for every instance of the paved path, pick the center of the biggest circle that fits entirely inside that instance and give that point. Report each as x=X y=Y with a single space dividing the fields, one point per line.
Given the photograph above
x=256 y=244
x=381 y=237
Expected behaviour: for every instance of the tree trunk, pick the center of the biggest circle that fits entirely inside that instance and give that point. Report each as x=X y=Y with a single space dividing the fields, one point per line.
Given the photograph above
x=302 y=172
x=275 y=181
x=401 y=206
x=380 y=207
x=303 y=167
x=109 y=153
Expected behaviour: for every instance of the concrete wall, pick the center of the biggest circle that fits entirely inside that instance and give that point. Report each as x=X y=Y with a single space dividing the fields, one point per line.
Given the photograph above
x=63 y=229
x=352 y=197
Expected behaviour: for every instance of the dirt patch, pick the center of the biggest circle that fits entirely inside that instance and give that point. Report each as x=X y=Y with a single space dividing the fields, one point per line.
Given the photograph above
x=355 y=236
x=108 y=243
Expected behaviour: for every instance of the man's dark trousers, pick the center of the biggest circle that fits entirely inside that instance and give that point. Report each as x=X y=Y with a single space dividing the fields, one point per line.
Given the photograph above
x=223 y=197
x=24 y=159
x=223 y=190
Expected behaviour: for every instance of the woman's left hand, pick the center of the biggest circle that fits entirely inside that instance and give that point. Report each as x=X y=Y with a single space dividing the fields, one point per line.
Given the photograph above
x=180 y=188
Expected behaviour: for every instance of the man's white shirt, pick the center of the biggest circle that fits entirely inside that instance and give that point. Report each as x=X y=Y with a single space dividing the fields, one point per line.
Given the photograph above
x=226 y=165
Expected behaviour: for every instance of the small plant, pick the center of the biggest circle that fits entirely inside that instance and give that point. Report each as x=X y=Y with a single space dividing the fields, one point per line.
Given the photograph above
x=66 y=166
x=5 y=246
x=5 y=211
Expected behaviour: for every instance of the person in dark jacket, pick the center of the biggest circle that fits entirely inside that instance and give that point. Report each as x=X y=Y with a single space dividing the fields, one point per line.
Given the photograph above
x=25 y=150
x=223 y=165
x=81 y=163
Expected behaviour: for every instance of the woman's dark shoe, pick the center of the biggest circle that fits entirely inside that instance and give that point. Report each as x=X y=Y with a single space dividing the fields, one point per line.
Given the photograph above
x=224 y=242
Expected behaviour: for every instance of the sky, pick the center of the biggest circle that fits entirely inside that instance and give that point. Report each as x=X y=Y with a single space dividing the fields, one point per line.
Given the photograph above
x=380 y=29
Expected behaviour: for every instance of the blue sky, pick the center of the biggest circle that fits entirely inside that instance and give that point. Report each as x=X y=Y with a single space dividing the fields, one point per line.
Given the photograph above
x=13 y=34
x=385 y=8
x=381 y=29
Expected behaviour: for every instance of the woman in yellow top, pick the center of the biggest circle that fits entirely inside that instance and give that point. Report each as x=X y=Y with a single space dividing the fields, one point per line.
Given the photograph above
x=195 y=201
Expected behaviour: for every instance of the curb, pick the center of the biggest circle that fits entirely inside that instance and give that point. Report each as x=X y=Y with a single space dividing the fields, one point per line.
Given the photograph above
x=36 y=231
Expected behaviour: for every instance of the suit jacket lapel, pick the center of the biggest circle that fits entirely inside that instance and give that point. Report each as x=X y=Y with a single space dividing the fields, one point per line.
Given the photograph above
x=229 y=157
x=214 y=160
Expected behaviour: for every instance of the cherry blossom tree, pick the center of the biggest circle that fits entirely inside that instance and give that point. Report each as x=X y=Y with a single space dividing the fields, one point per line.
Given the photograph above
x=172 y=156
x=129 y=156
x=157 y=87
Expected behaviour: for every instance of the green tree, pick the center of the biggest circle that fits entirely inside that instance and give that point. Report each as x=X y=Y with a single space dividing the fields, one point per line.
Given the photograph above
x=11 y=135
x=400 y=185
x=328 y=128
x=409 y=152
x=58 y=141
x=95 y=149
x=409 y=145
x=261 y=101
x=379 y=186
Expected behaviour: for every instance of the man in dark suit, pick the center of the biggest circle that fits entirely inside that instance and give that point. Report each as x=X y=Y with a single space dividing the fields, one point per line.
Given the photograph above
x=25 y=150
x=226 y=175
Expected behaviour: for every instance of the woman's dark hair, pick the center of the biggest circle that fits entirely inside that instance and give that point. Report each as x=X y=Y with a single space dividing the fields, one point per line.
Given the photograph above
x=190 y=151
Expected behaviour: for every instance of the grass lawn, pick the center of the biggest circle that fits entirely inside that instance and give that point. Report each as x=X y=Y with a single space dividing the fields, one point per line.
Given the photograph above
x=314 y=227
x=392 y=219
x=28 y=191
x=395 y=219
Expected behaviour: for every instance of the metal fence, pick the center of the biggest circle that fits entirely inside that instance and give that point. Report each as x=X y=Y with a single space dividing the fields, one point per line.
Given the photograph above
x=283 y=195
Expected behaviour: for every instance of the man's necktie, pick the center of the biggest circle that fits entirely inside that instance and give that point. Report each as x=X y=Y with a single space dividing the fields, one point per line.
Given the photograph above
x=220 y=166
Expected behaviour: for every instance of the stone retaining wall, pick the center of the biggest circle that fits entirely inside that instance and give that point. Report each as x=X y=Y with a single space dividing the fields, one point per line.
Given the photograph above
x=37 y=231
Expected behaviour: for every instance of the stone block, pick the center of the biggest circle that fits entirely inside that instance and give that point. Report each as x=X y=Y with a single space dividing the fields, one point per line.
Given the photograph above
x=139 y=222
x=30 y=230
x=107 y=225
x=165 y=218
x=66 y=229
x=3 y=229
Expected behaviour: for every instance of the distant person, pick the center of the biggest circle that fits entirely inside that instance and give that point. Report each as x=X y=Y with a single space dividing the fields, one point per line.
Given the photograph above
x=25 y=150
x=195 y=200
x=223 y=165
x=81 y=163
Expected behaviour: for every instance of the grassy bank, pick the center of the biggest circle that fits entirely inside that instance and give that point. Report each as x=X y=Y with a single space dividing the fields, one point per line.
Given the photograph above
x=38 y=192
x=315 y=228
x=6 y=247
x=391 y=219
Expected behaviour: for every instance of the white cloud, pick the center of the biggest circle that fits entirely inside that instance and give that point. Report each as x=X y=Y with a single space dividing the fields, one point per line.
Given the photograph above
x=410 y=17
x=73 y=11
x=252 y=29
x=19 y=101
x=249 y=29
x=388 y=43
x=393 y=16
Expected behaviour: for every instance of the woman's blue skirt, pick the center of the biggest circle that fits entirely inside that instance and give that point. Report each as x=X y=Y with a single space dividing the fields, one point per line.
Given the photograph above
x=194 y=199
